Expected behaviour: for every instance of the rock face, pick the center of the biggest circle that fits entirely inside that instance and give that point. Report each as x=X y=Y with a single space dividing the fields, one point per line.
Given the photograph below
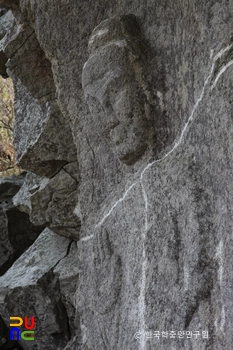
x=124 y=124
x=51 y=202
x=17 y=232
x=6 y=19
x=22 y=293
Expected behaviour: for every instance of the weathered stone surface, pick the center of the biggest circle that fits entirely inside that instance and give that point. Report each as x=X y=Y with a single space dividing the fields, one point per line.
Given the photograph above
x=51 y=202
x=9 y=3
x=5 y=343
x=17 y=232
x=41 y=136
x=165 y=227
x=25 y=55
x=67 y=271
x=148 y=101
x=31 y=280
x=75 y=344
x=22 y=198
x=6 y=20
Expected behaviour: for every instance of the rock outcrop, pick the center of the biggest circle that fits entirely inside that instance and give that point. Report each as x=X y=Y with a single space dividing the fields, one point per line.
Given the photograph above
x=17 y=234
x=22 y=293
x=6 y=19
x=51 y=202
x=17 y=231
x=124 y=124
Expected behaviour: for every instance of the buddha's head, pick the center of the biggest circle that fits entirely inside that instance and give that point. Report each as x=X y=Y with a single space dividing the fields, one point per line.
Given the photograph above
x=115 y=86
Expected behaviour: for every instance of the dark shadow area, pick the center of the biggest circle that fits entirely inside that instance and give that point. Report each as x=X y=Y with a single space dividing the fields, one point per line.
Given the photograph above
x=5 y=343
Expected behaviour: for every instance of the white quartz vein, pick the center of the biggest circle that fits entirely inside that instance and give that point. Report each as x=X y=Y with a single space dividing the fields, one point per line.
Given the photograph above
x=141 y=302
x=116 y=204
x=220 y=259
x=221 y=52
x=87 y=238
x=224 y=68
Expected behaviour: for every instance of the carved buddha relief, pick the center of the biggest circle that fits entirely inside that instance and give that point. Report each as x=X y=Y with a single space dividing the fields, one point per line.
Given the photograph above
x=117 y=92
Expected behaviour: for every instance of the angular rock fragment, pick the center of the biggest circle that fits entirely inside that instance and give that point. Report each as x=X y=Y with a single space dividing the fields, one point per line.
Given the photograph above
x=51 y=202
x=30 y=287
x=42 y=137
x=17 y=233
x=6 y=20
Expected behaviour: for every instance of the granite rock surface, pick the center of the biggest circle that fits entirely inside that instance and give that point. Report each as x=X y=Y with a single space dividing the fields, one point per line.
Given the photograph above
x=17 y=231
x=124 y=121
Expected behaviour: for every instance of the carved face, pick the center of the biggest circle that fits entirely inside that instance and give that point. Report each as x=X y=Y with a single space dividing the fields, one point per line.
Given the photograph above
x=114 y=96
